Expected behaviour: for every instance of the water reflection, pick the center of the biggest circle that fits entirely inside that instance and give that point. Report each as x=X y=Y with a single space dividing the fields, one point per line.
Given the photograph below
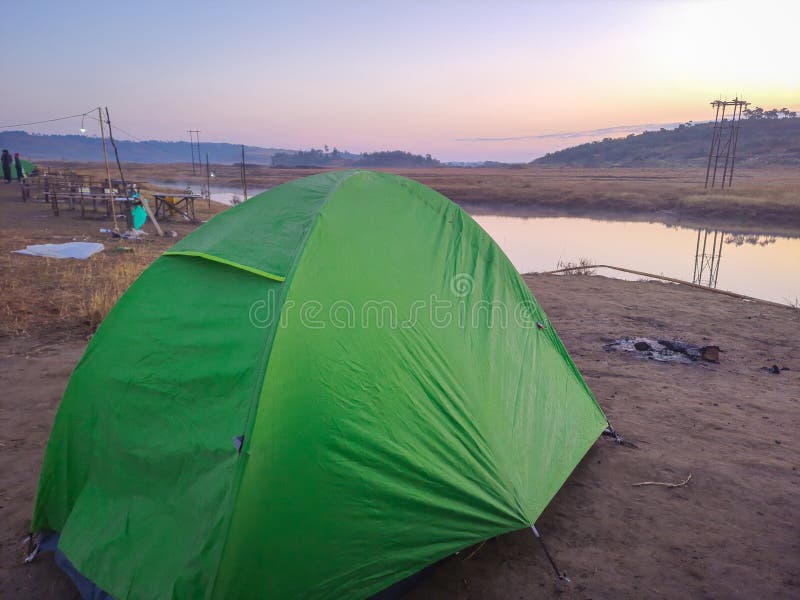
x=755 y=239
x=708 y=252
x=764 y=266
x=707 y=255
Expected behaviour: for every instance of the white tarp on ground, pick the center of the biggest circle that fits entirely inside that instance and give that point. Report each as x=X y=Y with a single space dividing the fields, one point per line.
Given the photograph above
x=69 y=250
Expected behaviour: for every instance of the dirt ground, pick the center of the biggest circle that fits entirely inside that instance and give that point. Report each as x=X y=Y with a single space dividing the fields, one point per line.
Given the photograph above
x=731 y=532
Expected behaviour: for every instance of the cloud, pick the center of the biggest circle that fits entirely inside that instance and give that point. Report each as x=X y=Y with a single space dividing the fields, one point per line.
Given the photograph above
x=568 y=135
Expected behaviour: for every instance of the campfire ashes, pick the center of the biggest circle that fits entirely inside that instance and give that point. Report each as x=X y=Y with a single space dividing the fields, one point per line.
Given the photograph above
x=665 y=350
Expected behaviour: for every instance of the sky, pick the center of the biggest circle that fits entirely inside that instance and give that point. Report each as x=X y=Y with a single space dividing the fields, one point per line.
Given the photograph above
x=461 y=80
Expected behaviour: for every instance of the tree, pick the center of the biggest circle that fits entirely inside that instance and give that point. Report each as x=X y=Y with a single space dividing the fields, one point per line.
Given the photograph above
x=756 y=113
x=773 y=113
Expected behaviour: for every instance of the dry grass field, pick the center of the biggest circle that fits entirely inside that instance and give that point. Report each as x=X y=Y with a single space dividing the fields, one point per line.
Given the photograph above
x=67 y=299
x=761 y=200
x=73 y=297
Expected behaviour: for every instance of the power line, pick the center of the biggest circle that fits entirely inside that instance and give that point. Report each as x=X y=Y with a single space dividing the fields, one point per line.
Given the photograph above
x=46 y=121
x=128 y=133
x=86 y=115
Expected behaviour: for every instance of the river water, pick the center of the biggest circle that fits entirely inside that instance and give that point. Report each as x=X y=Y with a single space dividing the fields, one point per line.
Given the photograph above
x=762 y=266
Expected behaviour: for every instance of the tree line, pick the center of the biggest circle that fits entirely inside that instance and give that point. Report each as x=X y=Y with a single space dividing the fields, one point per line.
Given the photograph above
x=335 y=158
x=773 y=113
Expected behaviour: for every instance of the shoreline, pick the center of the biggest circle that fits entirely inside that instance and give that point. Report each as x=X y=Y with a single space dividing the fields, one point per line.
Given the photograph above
x=765 y=201
x=56 y=300
x=767 y=225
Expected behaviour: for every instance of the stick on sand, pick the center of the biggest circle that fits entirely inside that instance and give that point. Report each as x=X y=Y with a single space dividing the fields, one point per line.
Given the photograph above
x=665 y=484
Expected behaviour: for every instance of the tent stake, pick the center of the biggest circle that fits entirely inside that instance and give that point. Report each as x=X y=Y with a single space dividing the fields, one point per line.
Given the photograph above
x=612 y=433
x=561 y=576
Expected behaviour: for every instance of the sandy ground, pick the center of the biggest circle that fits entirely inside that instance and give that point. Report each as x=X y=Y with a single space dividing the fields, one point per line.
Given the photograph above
x=732 y=532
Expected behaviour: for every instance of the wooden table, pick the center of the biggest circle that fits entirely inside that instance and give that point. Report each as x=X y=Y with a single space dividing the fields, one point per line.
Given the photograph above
x=181 y=203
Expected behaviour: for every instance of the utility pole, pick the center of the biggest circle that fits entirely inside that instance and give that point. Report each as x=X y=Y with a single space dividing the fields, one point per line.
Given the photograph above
x=192 y=133
x=208 y=181
x=724 y=137
x=191 y=146
x=244 y=175
x=127 y=205
x=108 y=171
x=199 y=156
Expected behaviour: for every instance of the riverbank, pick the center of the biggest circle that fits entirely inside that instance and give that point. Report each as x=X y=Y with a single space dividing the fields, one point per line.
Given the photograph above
x=763 y=200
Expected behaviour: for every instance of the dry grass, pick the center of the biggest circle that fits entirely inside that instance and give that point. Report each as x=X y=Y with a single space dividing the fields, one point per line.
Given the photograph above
x=584 y=266
x=64 y=297
x=106 y=286
x=70 y=298
x=764 y=198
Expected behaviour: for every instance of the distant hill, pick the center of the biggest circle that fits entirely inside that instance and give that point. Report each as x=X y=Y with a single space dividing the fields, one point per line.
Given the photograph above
x=83 y=148
x=89 y=149
x=761 y=142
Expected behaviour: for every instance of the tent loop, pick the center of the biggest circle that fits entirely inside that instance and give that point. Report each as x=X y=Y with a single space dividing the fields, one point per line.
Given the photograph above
x=561 y=575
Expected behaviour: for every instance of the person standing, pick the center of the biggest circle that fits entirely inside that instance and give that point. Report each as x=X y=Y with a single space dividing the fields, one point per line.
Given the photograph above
x=18 y=167
x=6 y=160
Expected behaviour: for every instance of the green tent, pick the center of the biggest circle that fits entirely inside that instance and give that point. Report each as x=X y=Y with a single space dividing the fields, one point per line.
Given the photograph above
x=317 y=394
x=27 y=167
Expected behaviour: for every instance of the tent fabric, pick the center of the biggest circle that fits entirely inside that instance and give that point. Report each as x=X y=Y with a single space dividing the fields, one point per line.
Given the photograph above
x=345 y=382
x=239 y=237
x=27 y=168
x=86 y=588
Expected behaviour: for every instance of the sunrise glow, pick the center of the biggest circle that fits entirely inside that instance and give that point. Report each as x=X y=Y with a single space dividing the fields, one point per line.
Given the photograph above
x=447 y=78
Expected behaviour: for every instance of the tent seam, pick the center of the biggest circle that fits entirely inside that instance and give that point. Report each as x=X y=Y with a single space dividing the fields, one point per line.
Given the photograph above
x=227 y=262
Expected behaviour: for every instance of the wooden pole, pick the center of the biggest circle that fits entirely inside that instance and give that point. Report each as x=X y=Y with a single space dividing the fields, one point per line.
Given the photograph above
x=208 y=181
x=199 y=156
x=191 y=146
x=244 y=176
x=150 y=214
x=128 y=213
x=108 y=171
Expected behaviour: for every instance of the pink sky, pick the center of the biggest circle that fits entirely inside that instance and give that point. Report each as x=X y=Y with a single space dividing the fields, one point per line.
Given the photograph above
x=447 y=78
